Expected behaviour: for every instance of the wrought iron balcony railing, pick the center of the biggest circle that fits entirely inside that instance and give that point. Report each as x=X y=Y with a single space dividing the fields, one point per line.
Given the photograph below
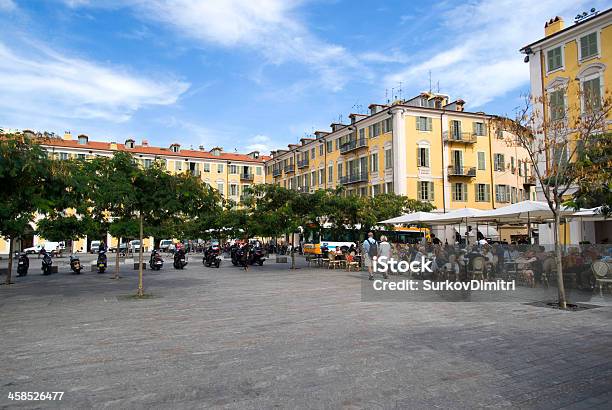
x=457 y=171
x=354 y=178
x=353 y=145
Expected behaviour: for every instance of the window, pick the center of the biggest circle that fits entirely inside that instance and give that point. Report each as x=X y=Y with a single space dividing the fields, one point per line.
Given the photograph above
x=220 y=188
x=512 y=168
x=321 y=148
x=313 y=178
x=456 y=129
x=321 y=176
x=425 y=190
x=81 y=157
x=423 y=124
x=498 y=164
x=178 y=166
x=258 y=170
x=556 y=103
x=363 y=191
x=330 y=173
x=513 y=193
x=591 y=90
x=375 y=190
x=219 y=168
x=389 y=187
x=479 y=129
x=388 y=159
x=233 y=190
x=502 y=193
x=339 y=171
x=423 y=157
x=588 y=46
x=330 y=146
x=483 y=192
x=554 y=59
x=482 y=164
x=520 y=168
x=361 y=133
x=206 y=167
x=63 y=155
x=337 y=143
x=313 y=152
x=387 y=125
x=374 y=162
x=460 y=192
x=233 y=169
x=375 y=130
x=147 y=163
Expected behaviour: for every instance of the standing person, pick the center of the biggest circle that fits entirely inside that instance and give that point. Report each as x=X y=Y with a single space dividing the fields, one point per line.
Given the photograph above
x=384 y=249
x=435 y=240
x=370 y=250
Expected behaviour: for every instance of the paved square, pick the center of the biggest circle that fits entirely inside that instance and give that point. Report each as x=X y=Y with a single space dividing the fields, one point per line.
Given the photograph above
x=271 y=337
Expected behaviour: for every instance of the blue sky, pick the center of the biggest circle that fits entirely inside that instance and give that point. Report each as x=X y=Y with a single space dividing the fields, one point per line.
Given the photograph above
x=252 y=74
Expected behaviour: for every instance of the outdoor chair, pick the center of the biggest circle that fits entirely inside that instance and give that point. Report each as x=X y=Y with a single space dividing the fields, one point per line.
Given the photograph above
x=549 y=270
x=324 y=259
x=351 y=262
x=478 y=268
x=603 y=274
x=333 y=262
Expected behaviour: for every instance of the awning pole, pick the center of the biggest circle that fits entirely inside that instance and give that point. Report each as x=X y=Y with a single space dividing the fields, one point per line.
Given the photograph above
x=529 y=227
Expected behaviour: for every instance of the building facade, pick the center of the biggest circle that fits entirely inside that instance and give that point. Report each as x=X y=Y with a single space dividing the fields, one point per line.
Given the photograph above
x=569 y=72
x=426 y=148
x=229 y=173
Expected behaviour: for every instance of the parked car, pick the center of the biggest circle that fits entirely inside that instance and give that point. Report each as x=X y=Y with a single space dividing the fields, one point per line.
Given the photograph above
x=122 y=248
x=52 y=247
x=135 y=245
x=94 y=247
x=166 y=245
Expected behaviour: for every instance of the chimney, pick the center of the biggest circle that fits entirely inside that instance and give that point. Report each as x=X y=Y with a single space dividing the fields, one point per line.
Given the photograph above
x=335 y=126
x=144 y=143
x=320 y=134
x=553 y=26
x=67 y=136
x=201 y=147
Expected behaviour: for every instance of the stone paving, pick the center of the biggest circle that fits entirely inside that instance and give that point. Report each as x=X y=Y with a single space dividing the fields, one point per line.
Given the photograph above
x=275 y=338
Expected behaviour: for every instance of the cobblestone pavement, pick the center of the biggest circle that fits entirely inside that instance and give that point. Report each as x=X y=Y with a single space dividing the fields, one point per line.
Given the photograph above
x=271 y=337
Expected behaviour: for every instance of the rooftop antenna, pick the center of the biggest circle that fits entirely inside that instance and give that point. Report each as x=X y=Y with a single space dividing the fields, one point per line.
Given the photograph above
x=430 y=81
x=400 y=90
x=387 y=95
x=438 y=87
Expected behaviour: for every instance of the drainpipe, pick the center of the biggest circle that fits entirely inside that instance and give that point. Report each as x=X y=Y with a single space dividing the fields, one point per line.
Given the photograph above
x=492 y=190
x=442 y=160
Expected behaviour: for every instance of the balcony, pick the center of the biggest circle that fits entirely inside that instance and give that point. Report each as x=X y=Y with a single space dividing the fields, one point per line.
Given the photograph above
x=354 y=178
x=303 y=163
x=289 y=168
x=353 y=145
x=529 y=180
x=276 y=172
x=461 y=137
x=456 y=171
x=247 y=177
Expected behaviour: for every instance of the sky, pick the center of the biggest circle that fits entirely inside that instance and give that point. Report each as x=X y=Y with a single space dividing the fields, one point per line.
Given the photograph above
x=254 y=74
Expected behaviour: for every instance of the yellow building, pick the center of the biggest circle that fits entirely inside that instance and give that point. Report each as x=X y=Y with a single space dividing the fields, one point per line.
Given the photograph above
x=425 y=148
x=229 y=173
x=569 y=72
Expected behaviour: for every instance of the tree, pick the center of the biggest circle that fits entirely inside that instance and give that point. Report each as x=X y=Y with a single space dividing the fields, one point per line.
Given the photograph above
x=24 y=172
x=554 y=144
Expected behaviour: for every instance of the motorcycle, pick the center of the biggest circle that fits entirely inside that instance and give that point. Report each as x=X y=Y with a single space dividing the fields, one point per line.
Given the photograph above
x=75 y=264
x=156 y=262
x=233 y=254
x=47 y=262
x=212 y=256
x=243 y=256
x=102 y=261
x=179 y=259
x=22 y=264
x=257 y=256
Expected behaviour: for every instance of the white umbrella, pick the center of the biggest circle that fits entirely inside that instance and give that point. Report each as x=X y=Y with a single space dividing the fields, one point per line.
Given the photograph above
x=592 y=214
x=457 y=215
x=520 y=212
x=415 y=217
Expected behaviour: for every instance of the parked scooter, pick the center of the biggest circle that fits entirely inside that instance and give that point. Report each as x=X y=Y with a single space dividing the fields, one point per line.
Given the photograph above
x=75 y=264
x=180 y=261
x=234 y=253
x=101 y=263
x=23 y=263
x=212 y=256
x=156 y=262
x=257 y=256
x=243 y=256
x=47 y=262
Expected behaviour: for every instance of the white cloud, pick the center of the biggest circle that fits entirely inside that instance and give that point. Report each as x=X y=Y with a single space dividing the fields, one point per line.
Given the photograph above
x=36 y=81
x=7 y=5
x=479 y=60
x=261 y=143
x=268 y=27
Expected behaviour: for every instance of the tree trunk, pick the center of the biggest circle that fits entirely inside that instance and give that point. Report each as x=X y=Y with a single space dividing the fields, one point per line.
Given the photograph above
x=10 y=262
x=140 y=258
x=561 y=286
x=293 y=251
x=118 y=250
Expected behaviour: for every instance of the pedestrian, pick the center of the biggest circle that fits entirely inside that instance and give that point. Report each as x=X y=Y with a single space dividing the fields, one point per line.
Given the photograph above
x=384 y=249
x=370 y=250
x=435 y=240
